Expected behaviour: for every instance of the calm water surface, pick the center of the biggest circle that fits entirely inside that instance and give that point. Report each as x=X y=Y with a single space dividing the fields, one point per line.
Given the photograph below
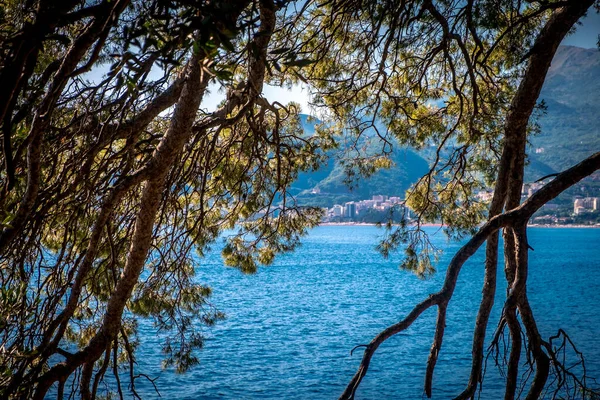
x=289 y=328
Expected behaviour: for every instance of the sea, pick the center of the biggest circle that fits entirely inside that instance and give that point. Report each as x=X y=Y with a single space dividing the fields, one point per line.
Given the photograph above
x=290 y=327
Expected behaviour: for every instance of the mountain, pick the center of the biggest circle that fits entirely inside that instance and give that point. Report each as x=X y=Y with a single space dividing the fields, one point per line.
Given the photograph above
x=569 y=132
x=326 y=186
x=570 y=127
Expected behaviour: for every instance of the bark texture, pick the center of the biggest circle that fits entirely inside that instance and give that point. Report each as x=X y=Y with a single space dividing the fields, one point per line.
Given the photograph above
x=507 y=196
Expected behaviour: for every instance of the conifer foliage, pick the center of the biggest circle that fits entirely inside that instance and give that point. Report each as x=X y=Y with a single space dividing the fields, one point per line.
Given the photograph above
x=116 y=177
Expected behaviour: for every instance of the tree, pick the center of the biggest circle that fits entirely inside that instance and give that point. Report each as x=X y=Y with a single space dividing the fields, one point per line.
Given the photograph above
x=464 y=77
x=113 y=176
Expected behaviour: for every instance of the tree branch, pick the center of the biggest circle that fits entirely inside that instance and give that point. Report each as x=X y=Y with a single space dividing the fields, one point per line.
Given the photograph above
x=515 y=217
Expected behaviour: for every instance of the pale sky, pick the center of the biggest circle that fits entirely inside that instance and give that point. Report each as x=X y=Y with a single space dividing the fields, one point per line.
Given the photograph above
x=272 y=93
x=586 y=36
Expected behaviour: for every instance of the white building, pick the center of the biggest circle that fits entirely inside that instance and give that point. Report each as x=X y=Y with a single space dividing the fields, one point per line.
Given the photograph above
x=337 y=210
x=585 y=204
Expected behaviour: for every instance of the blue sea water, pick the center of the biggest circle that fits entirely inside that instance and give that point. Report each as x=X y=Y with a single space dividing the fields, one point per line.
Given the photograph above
x=290 y=327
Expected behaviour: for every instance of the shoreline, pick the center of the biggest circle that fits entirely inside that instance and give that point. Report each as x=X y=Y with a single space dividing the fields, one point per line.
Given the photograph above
x=441 y=226
x=562 y=226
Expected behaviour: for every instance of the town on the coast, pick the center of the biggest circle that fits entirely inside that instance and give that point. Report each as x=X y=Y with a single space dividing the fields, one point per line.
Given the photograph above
x=379 y=208
x=578 y=209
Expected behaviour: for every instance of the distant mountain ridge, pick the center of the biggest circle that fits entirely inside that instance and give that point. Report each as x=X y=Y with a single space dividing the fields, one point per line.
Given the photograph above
x=570 y=131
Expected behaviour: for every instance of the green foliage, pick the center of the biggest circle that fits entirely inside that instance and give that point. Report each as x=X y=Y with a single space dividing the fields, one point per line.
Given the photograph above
x=435 y=76
x=352 y=174
x=101 y=138
x=87 y=125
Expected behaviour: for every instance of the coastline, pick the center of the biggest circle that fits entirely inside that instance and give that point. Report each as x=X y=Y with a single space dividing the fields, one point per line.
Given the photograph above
x=562 y=226
x=441 y=225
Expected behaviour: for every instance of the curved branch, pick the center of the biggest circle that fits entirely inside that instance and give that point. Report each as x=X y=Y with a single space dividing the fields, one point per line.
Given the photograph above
x=42 y=118
x=517 y=216
x=165 y=154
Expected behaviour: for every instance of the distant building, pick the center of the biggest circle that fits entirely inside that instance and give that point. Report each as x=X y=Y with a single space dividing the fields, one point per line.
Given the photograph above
x=354 y=210
x=337 y=210
x=366 y=204
x=350 y=210
x=585 y=204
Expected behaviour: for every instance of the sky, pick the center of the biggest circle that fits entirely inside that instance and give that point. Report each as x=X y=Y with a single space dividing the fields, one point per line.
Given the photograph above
x=586 y=36
x=272 y=93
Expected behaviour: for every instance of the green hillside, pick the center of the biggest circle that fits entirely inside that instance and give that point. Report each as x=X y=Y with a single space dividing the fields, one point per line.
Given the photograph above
x=327 y=186
x=570 y=131
x=570 y=128
x=408 y=167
